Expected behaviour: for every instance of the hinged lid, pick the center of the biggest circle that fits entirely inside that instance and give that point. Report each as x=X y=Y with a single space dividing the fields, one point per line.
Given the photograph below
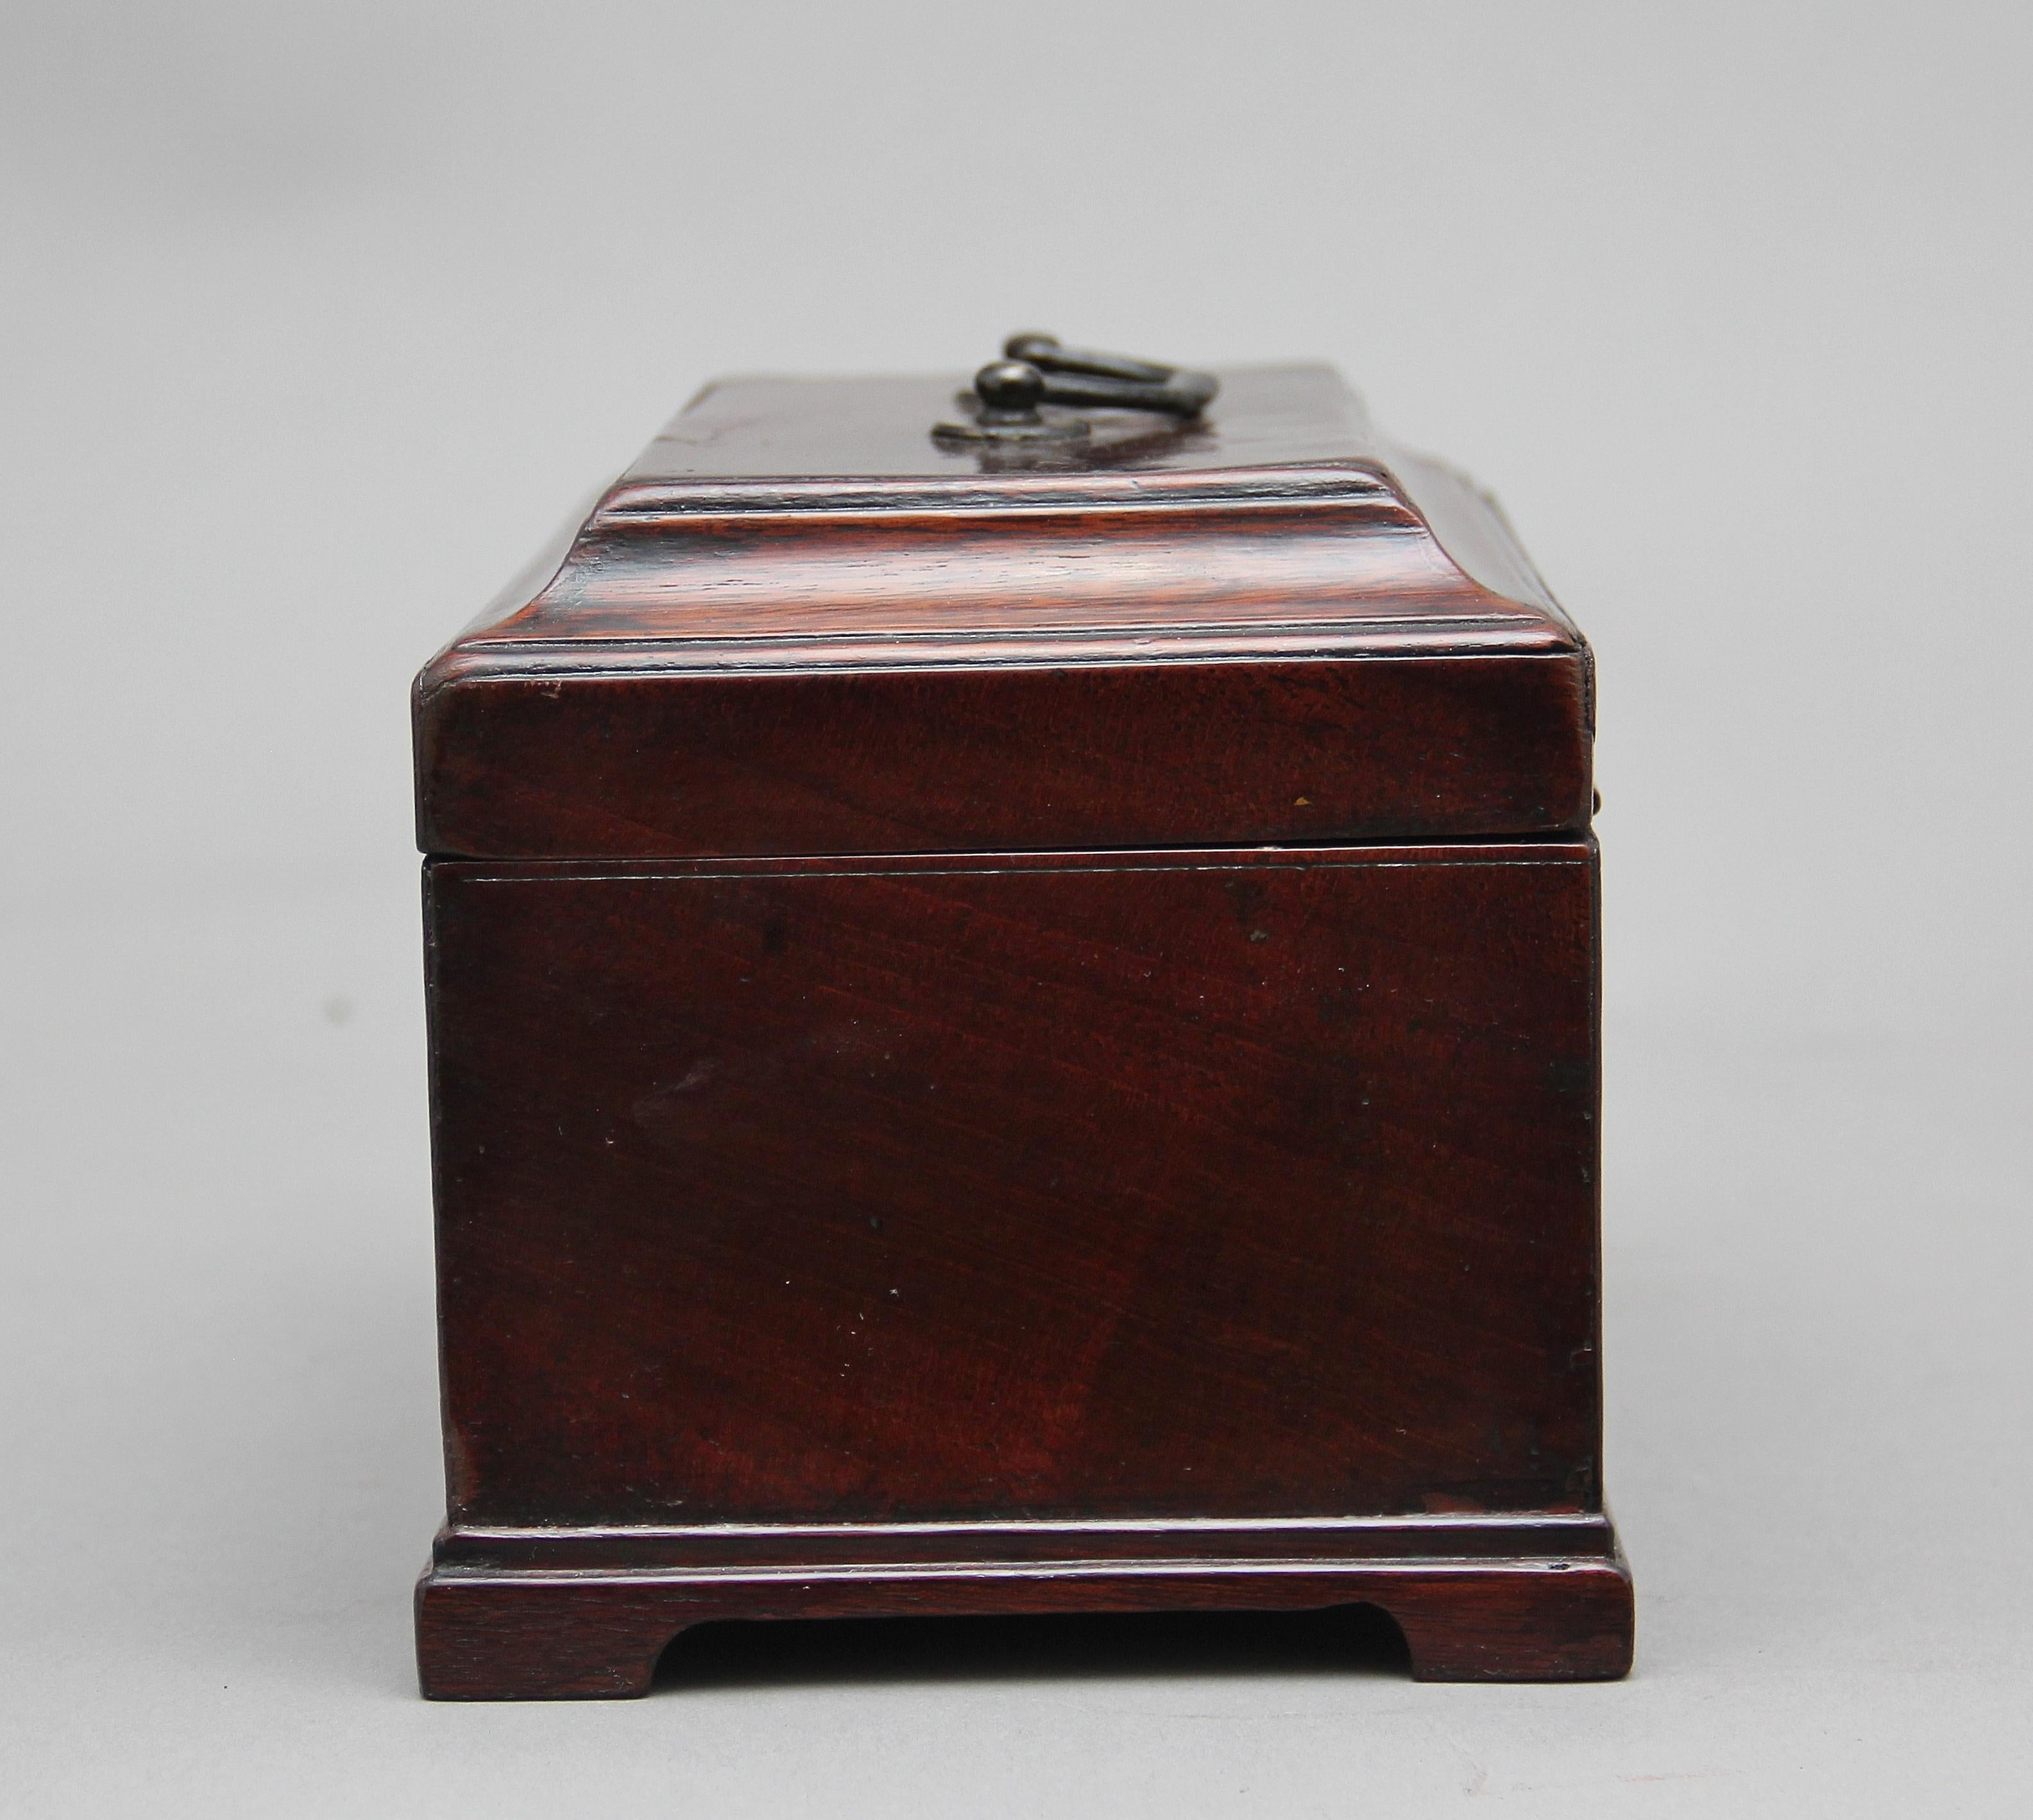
x=801 y=624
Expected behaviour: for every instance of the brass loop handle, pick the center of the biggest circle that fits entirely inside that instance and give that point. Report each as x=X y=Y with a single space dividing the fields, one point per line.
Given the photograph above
x=1036 y=370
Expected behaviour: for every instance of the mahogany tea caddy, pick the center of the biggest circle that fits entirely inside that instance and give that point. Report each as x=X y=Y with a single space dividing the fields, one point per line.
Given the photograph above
x=1013 y=1029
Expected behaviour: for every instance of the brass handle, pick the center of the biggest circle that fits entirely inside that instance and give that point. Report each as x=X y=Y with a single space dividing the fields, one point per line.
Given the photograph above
x=1075 y=376
x=1035 y=370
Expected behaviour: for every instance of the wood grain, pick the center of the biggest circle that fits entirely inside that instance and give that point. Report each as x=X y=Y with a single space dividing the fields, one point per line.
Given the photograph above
x=947 y=1188
x=1252 y=632
x=1015 y=1035
x=526 y=1637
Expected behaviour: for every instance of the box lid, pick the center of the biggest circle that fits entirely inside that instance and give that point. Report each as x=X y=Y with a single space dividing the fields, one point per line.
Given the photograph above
x=800 y=624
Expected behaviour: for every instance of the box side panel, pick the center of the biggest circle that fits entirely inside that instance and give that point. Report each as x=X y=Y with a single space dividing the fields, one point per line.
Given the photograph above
x=1215 y=1184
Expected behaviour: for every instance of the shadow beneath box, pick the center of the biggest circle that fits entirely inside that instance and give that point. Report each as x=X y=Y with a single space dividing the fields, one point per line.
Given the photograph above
x=859 y=1652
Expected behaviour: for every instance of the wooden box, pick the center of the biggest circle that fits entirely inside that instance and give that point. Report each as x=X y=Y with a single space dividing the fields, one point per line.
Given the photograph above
x=1016 y=1031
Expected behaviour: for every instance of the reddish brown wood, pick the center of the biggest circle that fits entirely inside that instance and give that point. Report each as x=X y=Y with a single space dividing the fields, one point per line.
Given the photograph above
x=533 y=1636
x=1117 y=1138
x=1255 y=633
x=1044 y=1195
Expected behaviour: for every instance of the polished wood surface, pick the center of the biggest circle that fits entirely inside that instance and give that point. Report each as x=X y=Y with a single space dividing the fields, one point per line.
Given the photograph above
x=1015 y=1035
x=536 y=1637
x=908 y=760
x=1018 y=1187
x=987 y=1219
x=1248 y=631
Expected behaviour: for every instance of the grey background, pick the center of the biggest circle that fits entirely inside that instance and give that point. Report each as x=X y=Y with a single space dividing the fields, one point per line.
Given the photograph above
x=318 y=318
